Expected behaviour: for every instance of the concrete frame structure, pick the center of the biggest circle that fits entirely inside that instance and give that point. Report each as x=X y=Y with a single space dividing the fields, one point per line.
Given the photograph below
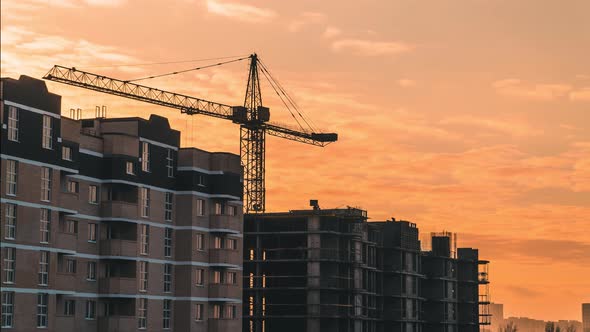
x=331 y=270
x=585 y=317
x=108 y=225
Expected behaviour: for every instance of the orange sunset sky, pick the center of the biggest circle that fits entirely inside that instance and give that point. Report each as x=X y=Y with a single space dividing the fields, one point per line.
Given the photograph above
x=465 y=115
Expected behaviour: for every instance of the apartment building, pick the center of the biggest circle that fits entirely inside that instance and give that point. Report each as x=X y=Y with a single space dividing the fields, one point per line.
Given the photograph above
x=108 y=225
x=331 y=270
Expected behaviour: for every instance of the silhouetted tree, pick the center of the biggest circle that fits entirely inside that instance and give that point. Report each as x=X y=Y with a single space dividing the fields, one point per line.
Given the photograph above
x=570 y=328
x=551 y=327
x=510 y=327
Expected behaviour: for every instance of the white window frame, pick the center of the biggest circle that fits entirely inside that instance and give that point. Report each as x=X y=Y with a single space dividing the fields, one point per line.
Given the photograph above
x=168 y=206
x=71 y=266
x=92 y=231
x=7 y=309
x=93 y=194
x=199 y=277
x=229 y=312
x=170 y=163
x=168 y=234
x=66 y=153
x=218 y=209
x=231 y=244
x=47 y=139
x=166 y=314
x=145 y=202
x=69 y=307
x=230 y=210
x=10 y=227
x=216 y=311
x=142 y=313
x=91 y=271
x=167 y=278
x=13 y=120
x=72 y=186
x=231 y=277
x=145 y=157
x=43 y=268
x=70 y=226
x=42 y=310
x=216 y=277
x=129 y=168
x=90 y=310
x=199 y=312
x=217 y=242
x=11 y=177
x=200 y=241
x=9 y=265
x=144 y=237
x=143 y=276
x=200 y=207
x=44 y=225
x=46 y=184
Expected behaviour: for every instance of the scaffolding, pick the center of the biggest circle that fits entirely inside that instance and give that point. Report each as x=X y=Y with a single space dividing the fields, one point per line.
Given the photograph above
x=485 y=316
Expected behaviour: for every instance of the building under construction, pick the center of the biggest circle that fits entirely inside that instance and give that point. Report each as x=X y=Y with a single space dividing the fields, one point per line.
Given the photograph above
x=331 y=270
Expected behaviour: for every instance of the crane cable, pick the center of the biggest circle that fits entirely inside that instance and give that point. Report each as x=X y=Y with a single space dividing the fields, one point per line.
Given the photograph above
x=291 y=101
x=164 y=63
x=186 y=70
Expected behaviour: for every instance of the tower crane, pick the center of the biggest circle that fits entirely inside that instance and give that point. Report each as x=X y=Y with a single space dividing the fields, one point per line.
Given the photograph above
x=253 y=118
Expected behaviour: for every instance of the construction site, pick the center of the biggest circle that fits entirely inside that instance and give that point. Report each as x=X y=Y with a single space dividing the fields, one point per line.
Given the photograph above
x=303 y=270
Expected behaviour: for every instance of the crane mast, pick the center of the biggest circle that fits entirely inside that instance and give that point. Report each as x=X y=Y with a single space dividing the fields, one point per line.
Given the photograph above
x=253 y=119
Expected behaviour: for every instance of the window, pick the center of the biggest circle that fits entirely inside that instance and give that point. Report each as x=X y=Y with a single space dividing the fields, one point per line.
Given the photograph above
x=200 y=207
x=45 y=184
x=42 y=300
x=170 y=163
x=145 y=156
x=129 y=168
x=198 y=311
x=218 y=208
x=44 y=225
x=199 y=277
x=230 y=210
x=166 y=314
x=66 y=153
x=93 y=194
x=70 y=226
x=70 y=266
x=199 y=245
x=13 y=124
x=90 y=310
x=92 y=232
x=168 y=207
x=145 y=202
x=217 y=242
x=167 y=278
x=143 y=276
x=231 y=278
x=47 y=132
x=216 y=277
x=144 y=238
x=11 y=177
x=91 y=271
x=231 y=244
x=43 y=268
x=201 y=180
x=69 y=307
x=230 y=312
x=9 y=265
x=10 y=232
x=216 y=311
x=142 y=316
x=168 y=242
x=72 y=187
x=7 y=309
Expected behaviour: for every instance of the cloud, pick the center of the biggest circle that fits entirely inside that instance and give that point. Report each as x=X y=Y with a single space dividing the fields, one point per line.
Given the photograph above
x=506 y=126
x=406 y=83
x=580 y=94
x=331 y=32
x=307 y=18
x=370 y=48
x=240 y=12
x=29 y=5
x=533 y=91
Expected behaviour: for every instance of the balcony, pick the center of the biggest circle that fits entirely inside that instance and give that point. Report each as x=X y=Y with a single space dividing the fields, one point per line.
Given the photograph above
x=69 y=201
x=117 y=285
x=118 y=247
x=227 y=256
x=117 y=324
x=225 y=291
x=65 y=281
x=65 y=241
x=225 y=222
x=118 y=209
x=64 y=323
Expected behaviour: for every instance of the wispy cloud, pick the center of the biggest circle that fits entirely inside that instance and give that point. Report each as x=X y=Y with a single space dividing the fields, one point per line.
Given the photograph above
x=580 y=94
x=241 y=12
x=533 y=91
x=370 y=48
x=331 y=32
x=307 y=18
x=406 y=83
